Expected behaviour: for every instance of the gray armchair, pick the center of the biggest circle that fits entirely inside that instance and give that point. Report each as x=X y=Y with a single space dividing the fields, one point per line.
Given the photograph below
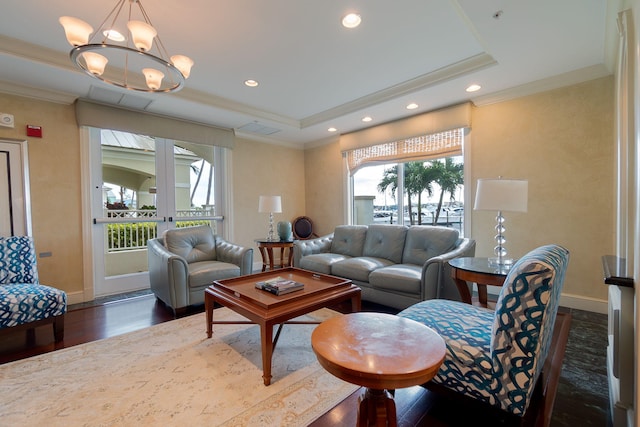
x=184 y=261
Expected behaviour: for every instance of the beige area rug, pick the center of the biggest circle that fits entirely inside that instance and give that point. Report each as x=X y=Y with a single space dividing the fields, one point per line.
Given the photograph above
x=171 y=374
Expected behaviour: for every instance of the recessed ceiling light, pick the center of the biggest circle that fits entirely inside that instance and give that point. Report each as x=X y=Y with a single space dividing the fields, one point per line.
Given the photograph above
x=412 y=106
x=366 y=119
x=473 y=88
x=114 y=35
x=251 y=83
x=332 y=129
x=351 y=20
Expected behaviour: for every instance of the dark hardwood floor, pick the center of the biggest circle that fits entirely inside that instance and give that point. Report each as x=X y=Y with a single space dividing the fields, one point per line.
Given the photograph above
x=416 y=406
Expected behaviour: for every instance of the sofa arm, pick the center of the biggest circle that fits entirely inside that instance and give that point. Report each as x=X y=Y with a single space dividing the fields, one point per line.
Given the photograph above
x=235 y=254
x=436 y=272
x=168 y=275
x=311 y=246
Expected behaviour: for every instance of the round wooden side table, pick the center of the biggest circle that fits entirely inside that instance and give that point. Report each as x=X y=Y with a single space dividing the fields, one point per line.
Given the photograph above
x=479 y=271
x=266 y=251
x=381 y=352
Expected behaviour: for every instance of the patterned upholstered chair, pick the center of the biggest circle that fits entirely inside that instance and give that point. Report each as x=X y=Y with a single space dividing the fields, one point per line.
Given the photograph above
x=24 y=302
x=496 y=356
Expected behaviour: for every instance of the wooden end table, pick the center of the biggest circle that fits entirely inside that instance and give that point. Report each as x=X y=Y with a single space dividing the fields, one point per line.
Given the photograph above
x=476 y=270
x=266 y=251
x=267 y=310
x=381 y=352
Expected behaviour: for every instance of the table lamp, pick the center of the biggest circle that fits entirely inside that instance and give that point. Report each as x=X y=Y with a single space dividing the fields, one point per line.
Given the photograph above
x=270 y=204
x=501 y=195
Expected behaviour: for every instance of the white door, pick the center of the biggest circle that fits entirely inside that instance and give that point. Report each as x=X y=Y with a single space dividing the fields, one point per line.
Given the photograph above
x=15 y=214
x=142 y=186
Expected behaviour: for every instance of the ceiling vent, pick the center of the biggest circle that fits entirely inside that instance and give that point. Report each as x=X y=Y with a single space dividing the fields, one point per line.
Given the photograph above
x=113 y=97
x=257 y=128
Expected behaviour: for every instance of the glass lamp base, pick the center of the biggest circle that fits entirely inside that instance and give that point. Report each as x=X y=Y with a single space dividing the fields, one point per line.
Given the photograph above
x=498 y=262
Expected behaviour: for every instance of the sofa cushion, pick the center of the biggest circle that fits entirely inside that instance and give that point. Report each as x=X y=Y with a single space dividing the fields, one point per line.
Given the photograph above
x=423 y=242
x=358 y=268
x=349 y=240
x=203 y=273
x=399 y=277
x=194 y=244
x=385 y=241
x=320 y=263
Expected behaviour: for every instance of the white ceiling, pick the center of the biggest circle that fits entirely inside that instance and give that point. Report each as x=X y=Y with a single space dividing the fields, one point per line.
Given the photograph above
x=313 y=73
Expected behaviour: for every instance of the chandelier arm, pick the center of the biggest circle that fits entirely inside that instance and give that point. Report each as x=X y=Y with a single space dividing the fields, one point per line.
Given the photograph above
x=164 y=54
x=118 y=6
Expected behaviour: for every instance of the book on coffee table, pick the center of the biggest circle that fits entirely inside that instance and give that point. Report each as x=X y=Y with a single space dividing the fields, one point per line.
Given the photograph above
x=279 y=286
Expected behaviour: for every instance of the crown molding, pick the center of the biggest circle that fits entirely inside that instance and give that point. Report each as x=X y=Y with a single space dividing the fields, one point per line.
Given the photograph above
x=543 y=85
x=37 y=93
x=449 y=72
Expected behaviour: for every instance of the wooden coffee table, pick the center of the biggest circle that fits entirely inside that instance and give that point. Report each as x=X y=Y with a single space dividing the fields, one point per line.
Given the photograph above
x=265 y=309
x=381 y=352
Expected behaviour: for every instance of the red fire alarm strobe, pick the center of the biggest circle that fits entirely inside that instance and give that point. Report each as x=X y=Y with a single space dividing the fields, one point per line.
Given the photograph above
x=35 y=131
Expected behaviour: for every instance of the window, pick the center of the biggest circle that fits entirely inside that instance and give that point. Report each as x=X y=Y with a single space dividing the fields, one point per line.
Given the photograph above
x=431 y=193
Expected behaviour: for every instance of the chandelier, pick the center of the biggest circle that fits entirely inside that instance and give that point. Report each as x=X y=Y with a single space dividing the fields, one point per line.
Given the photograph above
x=135 y=62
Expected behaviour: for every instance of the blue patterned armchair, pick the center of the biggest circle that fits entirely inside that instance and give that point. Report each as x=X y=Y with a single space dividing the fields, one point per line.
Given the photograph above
x=24 y=302
x=496 y=356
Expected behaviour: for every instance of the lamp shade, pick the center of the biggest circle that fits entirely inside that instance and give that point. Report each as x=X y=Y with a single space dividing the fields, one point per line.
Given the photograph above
x=76 y=30
x=501 y=195
x=95 y=62
x=270 y=204
x=142 y=34
x=153 y=77
x=182 y=63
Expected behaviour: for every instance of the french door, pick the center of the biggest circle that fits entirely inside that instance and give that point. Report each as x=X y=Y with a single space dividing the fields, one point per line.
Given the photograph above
x=142 y=186
x=15 y=218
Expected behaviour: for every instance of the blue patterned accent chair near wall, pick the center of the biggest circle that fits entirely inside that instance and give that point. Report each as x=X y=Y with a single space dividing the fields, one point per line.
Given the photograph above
x=24 y=302
x=497 y=356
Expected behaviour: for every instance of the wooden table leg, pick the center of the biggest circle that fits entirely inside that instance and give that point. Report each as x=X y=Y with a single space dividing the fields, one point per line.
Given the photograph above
x=208 y=308
x=270 y=253
x=465 y=295
x=264 y=257
x=266 y=336
x=356 y=303
x=377 y=408
x=482 y=294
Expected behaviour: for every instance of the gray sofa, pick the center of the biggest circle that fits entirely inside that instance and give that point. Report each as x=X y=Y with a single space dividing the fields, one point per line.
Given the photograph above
x=394 y=265
x=184 y=261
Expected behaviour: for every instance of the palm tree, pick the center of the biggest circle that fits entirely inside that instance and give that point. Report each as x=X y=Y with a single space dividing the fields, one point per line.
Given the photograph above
x=449 y=176
x=417 y=179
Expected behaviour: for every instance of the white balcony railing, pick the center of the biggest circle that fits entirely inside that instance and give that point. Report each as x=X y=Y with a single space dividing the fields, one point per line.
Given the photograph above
x=129 y=229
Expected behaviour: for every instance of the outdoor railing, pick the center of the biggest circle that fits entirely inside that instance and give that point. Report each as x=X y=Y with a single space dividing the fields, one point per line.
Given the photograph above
x=122 y=235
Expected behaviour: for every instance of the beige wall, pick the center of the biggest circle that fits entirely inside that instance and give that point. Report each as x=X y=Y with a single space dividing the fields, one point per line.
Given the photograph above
x=264 y=169
x=561 y=141
x=54 y=165
x=325 y=189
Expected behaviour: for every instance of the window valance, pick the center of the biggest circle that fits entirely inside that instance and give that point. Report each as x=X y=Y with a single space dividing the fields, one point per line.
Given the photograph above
x=455 y=117
x=108 y=117
x=424 y=147
x=431 y=135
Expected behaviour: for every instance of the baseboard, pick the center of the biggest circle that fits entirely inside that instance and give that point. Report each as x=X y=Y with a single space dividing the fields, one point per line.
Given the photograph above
x=584 y=303
x=75 y=298
x=577 y=302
